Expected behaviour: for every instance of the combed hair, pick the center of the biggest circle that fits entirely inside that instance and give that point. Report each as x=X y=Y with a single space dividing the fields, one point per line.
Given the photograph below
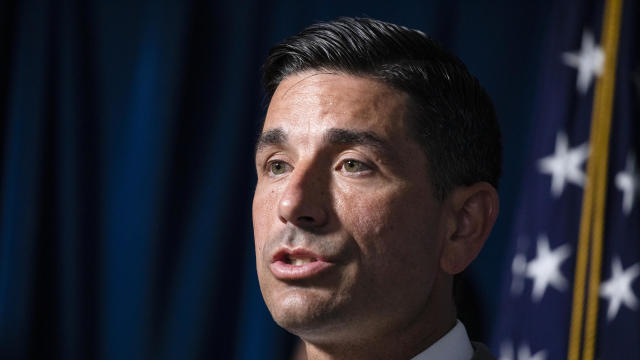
x=450 y=114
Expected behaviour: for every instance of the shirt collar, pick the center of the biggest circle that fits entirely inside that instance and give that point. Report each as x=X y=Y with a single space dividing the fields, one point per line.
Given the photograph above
x=454 y=345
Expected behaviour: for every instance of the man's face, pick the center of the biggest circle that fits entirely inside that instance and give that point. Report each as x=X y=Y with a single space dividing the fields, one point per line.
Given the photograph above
x=347 y=232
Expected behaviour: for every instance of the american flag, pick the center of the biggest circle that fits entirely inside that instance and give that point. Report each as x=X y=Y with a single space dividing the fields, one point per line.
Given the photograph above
x=571 y=287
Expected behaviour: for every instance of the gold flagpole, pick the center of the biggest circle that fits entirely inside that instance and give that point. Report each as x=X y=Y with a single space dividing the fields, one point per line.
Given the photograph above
x=594 y=199
x=603 y=101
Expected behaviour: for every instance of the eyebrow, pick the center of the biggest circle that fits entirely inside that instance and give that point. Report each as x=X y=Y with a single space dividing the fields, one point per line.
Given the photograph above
x=356 y=137
x=333 y=136
x=271 y=137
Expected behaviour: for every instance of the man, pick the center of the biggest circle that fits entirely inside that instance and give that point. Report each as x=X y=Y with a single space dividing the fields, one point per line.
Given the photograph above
x=378 y=164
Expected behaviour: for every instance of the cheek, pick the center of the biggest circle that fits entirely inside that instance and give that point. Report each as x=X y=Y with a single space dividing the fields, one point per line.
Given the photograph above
x=372 y=219
x=264 y=214
x=369 y=218
x=395 y=230
x=398 y=251
x=264 y=210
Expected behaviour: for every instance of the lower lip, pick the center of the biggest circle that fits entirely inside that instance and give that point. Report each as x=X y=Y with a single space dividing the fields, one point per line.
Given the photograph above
x=283 y=271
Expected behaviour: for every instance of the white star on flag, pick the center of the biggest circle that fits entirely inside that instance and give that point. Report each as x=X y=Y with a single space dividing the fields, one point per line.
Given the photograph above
x=544 y=269
x=617 y=290
x=589 y=61
x=628 y=181
x=564 y=165
x=524 y=352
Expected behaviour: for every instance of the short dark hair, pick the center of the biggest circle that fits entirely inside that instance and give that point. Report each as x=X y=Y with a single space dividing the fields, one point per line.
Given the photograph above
x=450 y=113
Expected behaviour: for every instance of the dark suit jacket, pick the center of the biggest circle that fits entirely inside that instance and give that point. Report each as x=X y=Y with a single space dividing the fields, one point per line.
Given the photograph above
x=481 y=352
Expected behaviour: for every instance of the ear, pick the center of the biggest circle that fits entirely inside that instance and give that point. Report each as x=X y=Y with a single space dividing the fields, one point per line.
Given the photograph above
x=473 y=211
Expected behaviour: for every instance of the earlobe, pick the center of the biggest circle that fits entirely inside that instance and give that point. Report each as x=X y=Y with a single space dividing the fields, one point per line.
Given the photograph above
x=474 y=210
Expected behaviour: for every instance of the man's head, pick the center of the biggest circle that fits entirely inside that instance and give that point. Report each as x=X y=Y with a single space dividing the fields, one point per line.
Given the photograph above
x=377 y=167
x=450 y=114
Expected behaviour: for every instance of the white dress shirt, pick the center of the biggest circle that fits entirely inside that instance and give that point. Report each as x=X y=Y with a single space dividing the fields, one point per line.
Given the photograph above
x=454 y=345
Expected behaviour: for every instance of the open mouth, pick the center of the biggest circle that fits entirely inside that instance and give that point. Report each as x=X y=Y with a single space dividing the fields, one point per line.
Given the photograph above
x=290 y=259
x=297 y=264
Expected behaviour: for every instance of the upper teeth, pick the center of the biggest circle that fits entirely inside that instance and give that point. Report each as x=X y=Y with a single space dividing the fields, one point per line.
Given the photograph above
x=300 y=261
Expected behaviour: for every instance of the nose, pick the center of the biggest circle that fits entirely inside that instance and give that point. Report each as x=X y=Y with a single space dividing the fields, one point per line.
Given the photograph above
x=304 y=200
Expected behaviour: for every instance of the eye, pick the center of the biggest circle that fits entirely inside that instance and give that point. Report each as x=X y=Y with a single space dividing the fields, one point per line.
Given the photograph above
x=354 y=166
x=278 y=167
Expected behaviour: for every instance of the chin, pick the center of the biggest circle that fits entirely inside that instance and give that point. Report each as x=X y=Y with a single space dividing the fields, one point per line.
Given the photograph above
x=303 y=311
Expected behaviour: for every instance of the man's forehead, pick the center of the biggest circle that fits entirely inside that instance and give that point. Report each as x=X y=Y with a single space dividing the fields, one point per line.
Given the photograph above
x=315 y=101
x=334 y=109
x=304 y=82
x=325 y=88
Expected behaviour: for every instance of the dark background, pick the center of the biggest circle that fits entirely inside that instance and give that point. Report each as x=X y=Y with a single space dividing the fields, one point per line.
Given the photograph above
x=126 y=166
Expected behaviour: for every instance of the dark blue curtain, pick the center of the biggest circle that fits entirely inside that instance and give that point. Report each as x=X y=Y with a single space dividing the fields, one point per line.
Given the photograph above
x=126 y=166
